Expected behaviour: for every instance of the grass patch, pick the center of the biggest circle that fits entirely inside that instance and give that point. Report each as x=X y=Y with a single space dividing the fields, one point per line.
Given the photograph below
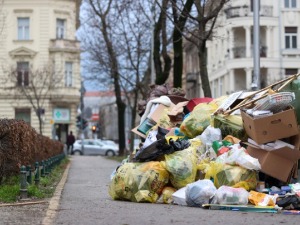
x=117 y=158
x=10 y=189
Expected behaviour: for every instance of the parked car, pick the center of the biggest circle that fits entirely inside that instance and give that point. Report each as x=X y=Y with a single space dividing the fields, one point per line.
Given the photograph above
x=94 y=147
x=109 y=142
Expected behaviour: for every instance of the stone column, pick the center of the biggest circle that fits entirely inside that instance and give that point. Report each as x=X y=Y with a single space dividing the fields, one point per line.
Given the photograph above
x=248 y=41
x=231 y=81
x=269 y=42
x=230 y=41
x=248 y=78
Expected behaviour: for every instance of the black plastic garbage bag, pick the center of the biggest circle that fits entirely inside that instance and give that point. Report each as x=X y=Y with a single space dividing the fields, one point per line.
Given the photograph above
x=289 y=202
x=159 y=148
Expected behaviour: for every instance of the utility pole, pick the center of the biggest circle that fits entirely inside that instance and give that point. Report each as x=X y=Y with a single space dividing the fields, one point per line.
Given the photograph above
x=82 y=91
x=256 y=46
x=152 y=43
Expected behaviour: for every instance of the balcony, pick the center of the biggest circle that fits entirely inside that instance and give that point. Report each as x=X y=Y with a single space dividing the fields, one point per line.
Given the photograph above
x=244 y=11
x=63 y=45
x=240 y=52
x=65 y=95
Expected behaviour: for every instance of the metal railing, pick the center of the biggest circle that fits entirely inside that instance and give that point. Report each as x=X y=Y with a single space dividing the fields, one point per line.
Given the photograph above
x=245 y=10
x=41 y=169
x=240 y=52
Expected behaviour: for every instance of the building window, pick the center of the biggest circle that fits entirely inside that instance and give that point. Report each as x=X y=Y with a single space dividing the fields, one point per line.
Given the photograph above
x=22 y=73
x=290 y=37
x=290 y=71
x=23 y=28
x=60 y=28
x=290 y=3
x=23 y=114
x=68 y=74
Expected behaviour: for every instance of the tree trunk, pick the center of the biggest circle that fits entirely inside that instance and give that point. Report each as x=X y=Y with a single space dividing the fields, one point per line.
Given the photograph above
x=177 y=42
x=202 y=53
x=160 y=32
x=178 y=59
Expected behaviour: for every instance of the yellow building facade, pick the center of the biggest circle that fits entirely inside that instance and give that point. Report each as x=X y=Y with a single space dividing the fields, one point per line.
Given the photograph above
x=38 y=46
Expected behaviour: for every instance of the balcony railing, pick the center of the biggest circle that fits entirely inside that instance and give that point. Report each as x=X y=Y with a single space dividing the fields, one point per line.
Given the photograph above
x=64 y=45
x=244 y=11
x=240 y=52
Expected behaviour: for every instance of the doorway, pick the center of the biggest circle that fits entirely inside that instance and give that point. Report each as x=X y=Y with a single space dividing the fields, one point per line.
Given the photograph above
x=61 y=131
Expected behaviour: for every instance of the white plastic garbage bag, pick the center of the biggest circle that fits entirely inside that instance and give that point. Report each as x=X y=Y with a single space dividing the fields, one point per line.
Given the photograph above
x=226 y=195
x=199 y=192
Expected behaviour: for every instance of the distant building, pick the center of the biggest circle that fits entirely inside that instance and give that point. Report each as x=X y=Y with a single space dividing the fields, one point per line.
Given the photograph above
x=35 y=35
x=100 y=109
x=230 y=52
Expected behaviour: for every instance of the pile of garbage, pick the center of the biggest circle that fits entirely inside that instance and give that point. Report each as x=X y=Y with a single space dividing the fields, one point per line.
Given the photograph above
x=236 y=152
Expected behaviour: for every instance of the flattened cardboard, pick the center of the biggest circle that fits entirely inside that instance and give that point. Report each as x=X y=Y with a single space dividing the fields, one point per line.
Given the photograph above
x=155 y=116
x=176 y=114
x=134 y=130
x=271 y=128
x=278 y=163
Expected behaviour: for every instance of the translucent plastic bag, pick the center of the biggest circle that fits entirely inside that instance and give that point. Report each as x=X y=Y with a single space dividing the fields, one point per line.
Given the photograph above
x=199 y=192
x=234 y=176
x=166 y=196
x=198 y=119
x=182 y=166
x=226 y=195
x=139 y=182
x=238 y=156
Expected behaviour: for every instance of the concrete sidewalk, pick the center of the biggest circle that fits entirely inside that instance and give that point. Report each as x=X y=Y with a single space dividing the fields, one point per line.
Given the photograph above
x=83 y=189
x=82 y=199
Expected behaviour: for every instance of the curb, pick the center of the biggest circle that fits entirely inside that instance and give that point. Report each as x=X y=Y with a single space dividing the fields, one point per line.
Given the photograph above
x=54 y=202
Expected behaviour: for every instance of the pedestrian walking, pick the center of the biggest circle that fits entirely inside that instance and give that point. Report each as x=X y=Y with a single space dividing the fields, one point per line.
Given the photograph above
x=70 y=143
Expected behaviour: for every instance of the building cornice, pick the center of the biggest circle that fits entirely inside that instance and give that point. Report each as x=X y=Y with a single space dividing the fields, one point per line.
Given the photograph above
x=22 y=51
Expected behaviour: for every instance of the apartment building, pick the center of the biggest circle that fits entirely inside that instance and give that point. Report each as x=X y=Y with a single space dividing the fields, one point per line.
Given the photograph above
x=38 y=46
x=230 y=51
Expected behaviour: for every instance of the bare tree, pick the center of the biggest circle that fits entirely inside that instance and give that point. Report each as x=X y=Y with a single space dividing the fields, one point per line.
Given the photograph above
x=117 y=50
x=205 y=21
x=195 y=20
x=180 y=17
x=134 y=33
x=35 y=86
x=2 y=17
x=162 y=69
x=103 y=20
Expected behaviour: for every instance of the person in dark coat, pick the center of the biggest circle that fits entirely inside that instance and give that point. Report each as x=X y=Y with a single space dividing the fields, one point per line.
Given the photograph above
x=70 y=142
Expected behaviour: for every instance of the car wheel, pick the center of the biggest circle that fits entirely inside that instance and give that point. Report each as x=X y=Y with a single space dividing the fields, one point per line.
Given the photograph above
x=77 y=153
x=110 y=153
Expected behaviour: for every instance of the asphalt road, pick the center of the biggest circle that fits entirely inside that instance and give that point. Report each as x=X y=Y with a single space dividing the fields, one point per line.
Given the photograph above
x=82 y=199
x=85 y=200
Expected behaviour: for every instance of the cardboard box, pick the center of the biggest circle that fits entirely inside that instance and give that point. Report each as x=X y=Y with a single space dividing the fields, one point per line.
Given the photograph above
x=270 y=128
x=176 y=114
x=279 y=163
x=151 y=120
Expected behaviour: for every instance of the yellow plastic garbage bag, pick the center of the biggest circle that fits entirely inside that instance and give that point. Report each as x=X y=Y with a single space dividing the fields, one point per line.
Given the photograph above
x=262 y=199
x=139 y=182
x=182 y=166
x=198 y=119
x=166 y=196
x=234 y=176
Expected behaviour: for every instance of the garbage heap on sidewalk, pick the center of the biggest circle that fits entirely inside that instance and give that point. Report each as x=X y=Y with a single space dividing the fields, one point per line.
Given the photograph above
x=236 y=152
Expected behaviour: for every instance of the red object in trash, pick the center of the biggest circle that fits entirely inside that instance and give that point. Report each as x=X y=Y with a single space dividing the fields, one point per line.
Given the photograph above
x=222 y=150
x=195 y=101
